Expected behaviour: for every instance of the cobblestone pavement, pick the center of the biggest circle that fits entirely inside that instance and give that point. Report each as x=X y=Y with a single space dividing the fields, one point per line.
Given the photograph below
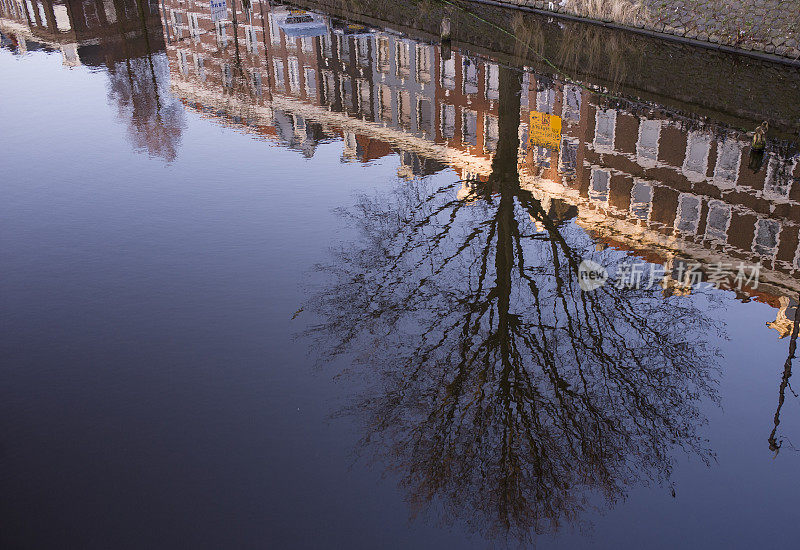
x=771 y=26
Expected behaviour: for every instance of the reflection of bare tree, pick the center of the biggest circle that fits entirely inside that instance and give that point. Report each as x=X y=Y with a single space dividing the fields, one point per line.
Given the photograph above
x=504 y=394
x=140 y=89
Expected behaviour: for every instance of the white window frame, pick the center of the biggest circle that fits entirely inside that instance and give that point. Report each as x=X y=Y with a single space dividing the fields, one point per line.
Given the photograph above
x=680 y=215
x=646 y=154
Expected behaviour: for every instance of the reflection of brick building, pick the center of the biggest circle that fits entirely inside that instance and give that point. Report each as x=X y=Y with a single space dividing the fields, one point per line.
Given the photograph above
x=691 y=184
x=91 y=32
x=345 y=61
x=249 y=60
x=670 y=189
x=466 y=103
x=660 y=185
x=14 y=11
x=204 y=51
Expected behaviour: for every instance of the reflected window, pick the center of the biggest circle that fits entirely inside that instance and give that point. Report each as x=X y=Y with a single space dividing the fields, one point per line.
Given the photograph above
x=545 y=99
x=778 y=181
x=524 y=98
x=274 y=30
x=423 y=63
x=294 y=75
x=605 y=126
x=383 y=54
x=641 y=199
x=491 y=134
x=404 y=109
x=93 y=20
x=362 y=51
x=449 y=74
x=571 y=111
x=403 y=52
x=695 y=162
x=311 y=81
x=307 y=44
x=299 y=124
x=131 y=10
x=542 y=156
x=347 y=92
x=221 y=34
x=291 y=44
x=109 y=8
x=199 y=67
x=385 y=100
x=351 y=149
x=470 y=76
x=765 y=242
x=250 y=38
x=448 y=121
x=469 y=127
x=598 y=190
x=42 y=16
x=568 y=159
x=797 y=254
x=328 y=88
x=492 y=82
x=342 y=48
x=524 y=136
x=327 y=46
x=424 y=116
x=726 y=170
x=70 y=52
x=364 y=97
x=688 y=217
x=647 y=144
x=718 y=220
x=227 y=75
x=183 y=62
x=280 y=78
x=255 y=78
x=62 y=17
x=194 y=26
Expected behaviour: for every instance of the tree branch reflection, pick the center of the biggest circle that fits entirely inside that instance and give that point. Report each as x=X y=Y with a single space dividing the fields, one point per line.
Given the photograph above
x=503 y=395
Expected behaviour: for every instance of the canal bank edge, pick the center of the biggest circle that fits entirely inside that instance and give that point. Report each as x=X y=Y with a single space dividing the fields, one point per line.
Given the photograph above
x=767 y=29
x=739 y=91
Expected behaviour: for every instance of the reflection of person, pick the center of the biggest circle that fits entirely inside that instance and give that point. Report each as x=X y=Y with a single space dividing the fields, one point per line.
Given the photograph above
x=504 y=393
x=782 y=324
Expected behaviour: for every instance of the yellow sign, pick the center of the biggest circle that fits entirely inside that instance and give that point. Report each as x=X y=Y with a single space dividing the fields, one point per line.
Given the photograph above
x=545 y=130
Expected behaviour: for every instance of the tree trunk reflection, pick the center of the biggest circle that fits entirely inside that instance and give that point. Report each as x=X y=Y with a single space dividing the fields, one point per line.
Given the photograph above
x=503 y=395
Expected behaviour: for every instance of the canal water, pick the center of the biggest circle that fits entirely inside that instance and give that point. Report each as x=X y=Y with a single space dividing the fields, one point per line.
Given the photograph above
x=300 y=281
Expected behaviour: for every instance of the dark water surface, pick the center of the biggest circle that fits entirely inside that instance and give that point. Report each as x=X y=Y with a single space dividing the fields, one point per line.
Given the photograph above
x=323 y=292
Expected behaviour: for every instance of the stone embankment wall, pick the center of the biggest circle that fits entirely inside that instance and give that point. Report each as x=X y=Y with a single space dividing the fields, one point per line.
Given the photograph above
x=767 y=26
